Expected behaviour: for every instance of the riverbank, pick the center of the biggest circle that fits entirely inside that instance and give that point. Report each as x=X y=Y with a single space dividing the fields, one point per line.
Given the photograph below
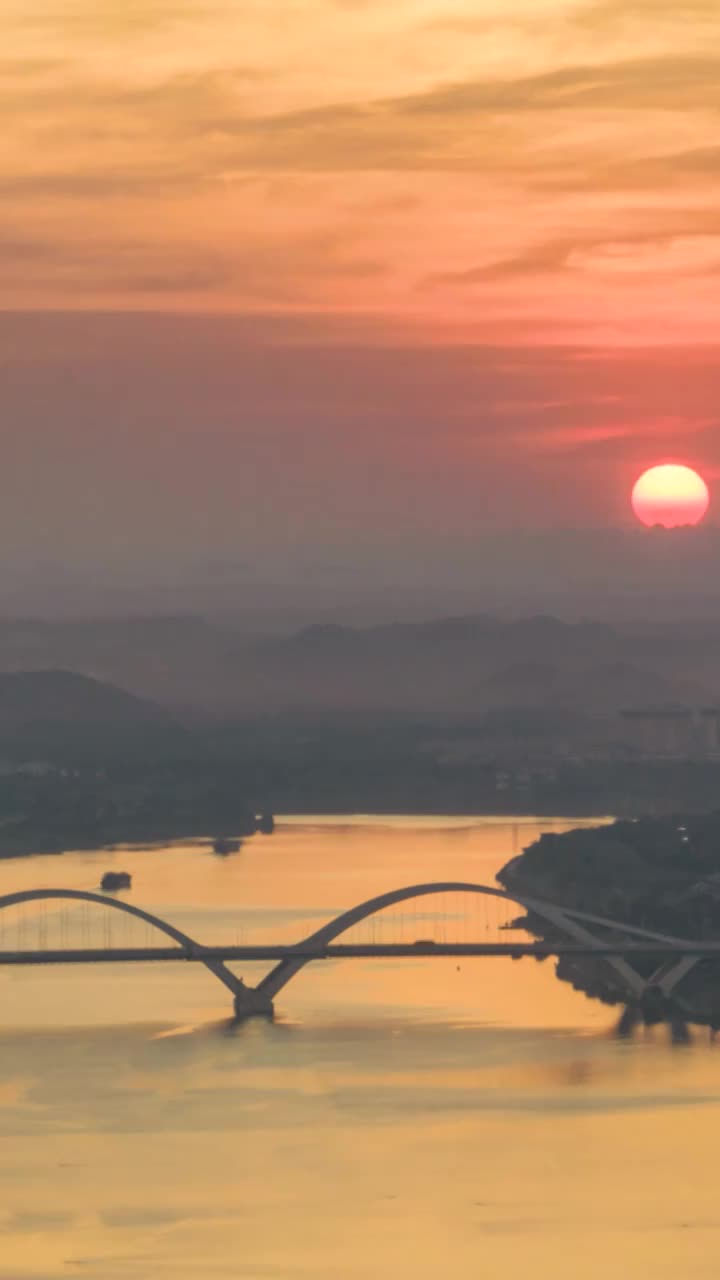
x=661 y=874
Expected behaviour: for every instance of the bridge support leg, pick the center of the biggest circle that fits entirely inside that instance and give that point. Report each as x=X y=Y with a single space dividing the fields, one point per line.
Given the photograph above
x=679 y=1031
x=249 y=1003
x=629 y=1019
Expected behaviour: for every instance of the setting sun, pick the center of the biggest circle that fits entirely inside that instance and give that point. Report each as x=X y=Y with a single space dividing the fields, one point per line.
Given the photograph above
x=670 y=495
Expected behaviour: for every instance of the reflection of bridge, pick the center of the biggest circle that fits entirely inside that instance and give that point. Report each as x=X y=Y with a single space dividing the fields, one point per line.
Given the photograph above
x=611 y=943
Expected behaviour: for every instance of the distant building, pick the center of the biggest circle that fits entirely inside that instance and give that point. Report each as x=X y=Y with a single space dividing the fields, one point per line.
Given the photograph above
x=29 y=768
x=675 y=733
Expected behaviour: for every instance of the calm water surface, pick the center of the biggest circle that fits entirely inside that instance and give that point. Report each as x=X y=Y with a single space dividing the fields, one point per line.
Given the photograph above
x=398 y=1119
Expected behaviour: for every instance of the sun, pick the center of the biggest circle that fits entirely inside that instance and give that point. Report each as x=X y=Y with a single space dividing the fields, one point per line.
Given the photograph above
x=670 y=495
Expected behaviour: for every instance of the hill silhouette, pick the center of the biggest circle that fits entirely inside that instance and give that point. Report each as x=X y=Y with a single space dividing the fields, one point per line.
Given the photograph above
x=455 y=665
x=50 y=710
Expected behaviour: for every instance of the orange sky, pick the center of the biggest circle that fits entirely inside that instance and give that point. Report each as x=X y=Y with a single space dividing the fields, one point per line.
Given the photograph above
x=482 y=164
x=487 y=181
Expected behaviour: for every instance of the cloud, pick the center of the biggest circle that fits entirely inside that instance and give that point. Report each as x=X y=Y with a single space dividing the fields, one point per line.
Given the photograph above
x=497 y=126
x=20 y=68
x=578 y=436
x=695 y=161
x=197 y=109
x=105 y=184
x=536 y=260
x=183 y=100
x=31 y=1223
x=594 y=16
x=656 y=82
x=281 y=266
x=602 y=13
x=639 y=83
x=101 y=264
x=168 y=160
x=693 y=250
x=133 y=18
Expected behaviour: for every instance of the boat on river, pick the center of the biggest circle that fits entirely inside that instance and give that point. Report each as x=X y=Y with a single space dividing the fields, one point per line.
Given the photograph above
x=226 y=844
x=114 y=880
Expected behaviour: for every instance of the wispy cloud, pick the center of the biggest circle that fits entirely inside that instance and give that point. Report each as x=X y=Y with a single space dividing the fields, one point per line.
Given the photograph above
x=694 y=250
x=582 y=436
x=395 y=148
x=600 y=13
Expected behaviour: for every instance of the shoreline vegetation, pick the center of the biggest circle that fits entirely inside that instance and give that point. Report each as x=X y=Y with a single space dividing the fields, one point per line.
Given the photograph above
x=59 y=819
x=661 y=874
x=31 y=839
x=51 y=830
x=89 y=799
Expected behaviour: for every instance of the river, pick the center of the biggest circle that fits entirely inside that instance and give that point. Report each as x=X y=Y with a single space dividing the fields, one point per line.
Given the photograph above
x=399 y=1119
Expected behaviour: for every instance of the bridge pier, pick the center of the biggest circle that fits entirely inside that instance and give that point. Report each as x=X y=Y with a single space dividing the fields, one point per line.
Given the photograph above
x=250 y=1003
x=652 y=1010
x=628 y=1021
x=679 y=1030
x=654 y=1005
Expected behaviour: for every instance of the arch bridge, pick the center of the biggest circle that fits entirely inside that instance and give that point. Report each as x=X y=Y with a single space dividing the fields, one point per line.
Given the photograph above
x=610 y=943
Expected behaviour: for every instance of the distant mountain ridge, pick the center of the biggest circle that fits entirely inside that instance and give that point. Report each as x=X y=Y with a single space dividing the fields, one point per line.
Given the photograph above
x=467 y=664
x=456 y=665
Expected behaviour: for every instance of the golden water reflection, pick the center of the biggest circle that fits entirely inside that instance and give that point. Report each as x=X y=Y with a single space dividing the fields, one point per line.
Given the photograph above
x=398 y=1119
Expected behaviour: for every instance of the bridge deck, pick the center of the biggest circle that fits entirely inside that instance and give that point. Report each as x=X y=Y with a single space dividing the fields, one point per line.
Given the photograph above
x=341 y=951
